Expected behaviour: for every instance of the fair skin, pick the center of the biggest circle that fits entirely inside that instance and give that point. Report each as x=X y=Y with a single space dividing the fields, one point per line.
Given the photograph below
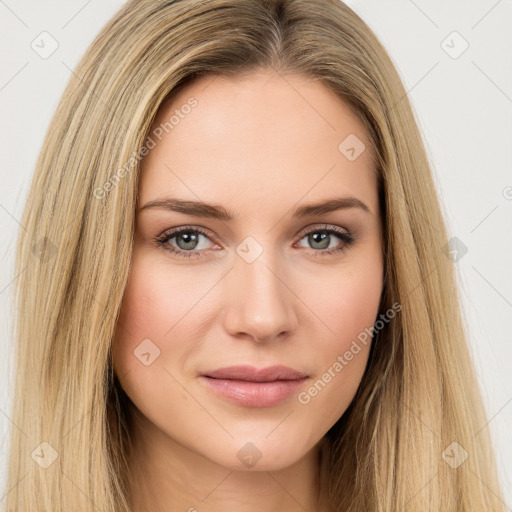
x=260 y=147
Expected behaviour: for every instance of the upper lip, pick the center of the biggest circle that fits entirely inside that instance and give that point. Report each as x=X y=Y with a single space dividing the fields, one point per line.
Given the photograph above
x=253 y=374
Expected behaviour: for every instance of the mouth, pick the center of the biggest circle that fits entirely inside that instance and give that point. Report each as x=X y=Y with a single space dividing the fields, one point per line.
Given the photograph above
x=252 y=387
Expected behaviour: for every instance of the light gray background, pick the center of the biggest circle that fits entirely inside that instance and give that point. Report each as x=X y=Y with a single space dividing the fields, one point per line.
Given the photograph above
x=463 y=105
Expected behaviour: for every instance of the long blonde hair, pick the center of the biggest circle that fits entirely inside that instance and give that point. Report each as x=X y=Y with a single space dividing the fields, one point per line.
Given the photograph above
x=391 y=449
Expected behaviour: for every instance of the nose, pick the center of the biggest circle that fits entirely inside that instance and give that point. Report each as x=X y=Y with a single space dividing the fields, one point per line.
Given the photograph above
x=261 y=305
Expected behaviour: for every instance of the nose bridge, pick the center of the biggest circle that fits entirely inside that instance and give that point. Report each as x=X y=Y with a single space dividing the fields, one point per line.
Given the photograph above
x=261 y=305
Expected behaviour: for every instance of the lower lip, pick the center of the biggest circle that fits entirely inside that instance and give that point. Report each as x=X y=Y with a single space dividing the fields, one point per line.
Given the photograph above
x=254 y=394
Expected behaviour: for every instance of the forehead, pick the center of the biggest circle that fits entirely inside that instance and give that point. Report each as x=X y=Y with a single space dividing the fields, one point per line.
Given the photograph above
x=261 y=135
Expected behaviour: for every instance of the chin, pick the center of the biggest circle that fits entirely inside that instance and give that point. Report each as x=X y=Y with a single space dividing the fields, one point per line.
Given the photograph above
x=259 y=455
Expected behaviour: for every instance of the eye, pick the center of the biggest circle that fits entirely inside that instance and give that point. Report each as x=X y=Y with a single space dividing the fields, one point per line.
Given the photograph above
x=322 y=238
x=188 y=241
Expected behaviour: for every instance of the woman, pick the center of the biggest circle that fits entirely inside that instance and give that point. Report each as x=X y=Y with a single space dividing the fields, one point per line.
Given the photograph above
x=235 y=275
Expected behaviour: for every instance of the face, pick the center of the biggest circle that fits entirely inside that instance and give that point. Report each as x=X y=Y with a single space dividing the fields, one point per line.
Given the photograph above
x=261 y=279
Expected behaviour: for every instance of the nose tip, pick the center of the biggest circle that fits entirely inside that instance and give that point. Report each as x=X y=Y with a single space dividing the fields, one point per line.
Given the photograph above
x=260 y=305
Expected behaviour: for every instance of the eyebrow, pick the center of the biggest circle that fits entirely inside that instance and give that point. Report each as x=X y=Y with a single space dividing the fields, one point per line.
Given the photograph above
x=214 y=211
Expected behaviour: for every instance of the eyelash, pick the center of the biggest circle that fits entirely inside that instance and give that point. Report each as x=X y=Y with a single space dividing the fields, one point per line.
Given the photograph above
x=346 y=238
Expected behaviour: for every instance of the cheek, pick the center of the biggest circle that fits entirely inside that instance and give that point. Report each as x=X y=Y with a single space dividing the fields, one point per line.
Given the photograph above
x=346 y=302
x=157 y=297
x=161 y=320
x=149 y=310
x=347 y=306
x=353 y=307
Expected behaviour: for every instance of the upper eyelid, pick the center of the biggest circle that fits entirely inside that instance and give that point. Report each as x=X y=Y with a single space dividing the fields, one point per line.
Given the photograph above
x=171 y=233
x=322 y=227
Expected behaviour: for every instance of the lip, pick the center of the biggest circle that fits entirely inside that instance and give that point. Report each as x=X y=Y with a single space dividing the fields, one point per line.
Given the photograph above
x=253 y=387
x=252 y=374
